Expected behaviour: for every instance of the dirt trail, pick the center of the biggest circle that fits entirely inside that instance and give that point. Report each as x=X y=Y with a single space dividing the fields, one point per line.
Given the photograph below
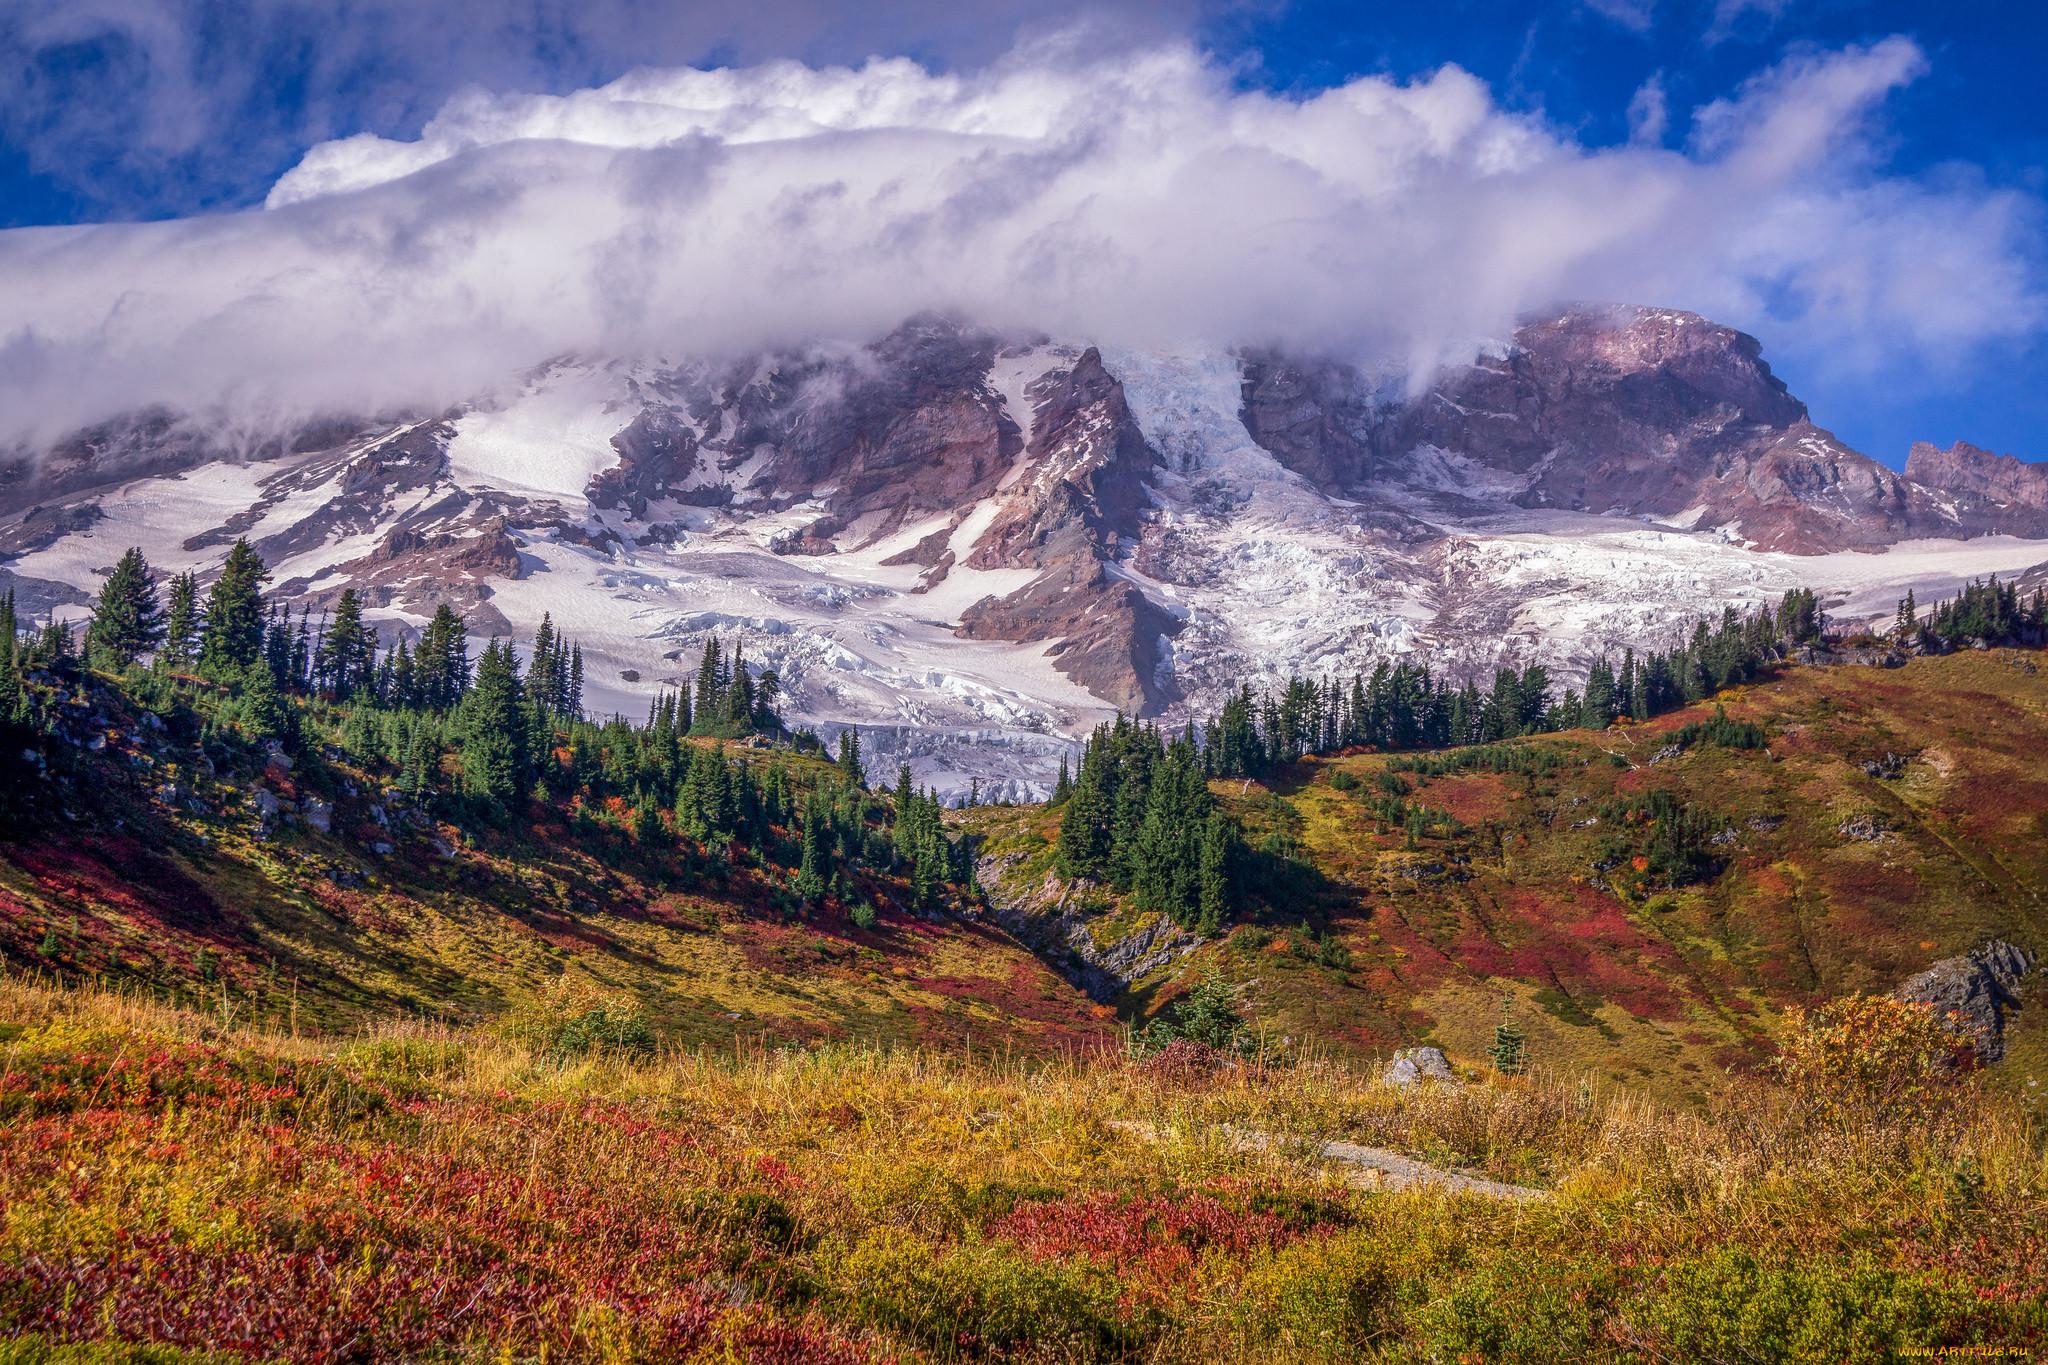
x=1373 y=1168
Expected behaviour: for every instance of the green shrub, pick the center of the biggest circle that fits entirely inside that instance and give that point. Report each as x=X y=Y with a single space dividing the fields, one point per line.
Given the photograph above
x=1328 y=1297
x=1250 y=938
x=1209 y=1014
x=1521 y=1311
x=1343 y=781
x=575 y=1019
x=863 y=914
x=408 y=1059
x=984 y=1297
x=1735 y=1305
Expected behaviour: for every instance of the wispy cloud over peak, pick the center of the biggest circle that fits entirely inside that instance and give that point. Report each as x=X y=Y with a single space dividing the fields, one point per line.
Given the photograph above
x=1140 y=198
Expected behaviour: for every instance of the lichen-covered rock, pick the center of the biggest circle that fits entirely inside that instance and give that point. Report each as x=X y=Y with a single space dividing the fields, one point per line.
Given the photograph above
x=1414 y=1065
x=319 y=814
x=1064 y=925
x=1977 y=987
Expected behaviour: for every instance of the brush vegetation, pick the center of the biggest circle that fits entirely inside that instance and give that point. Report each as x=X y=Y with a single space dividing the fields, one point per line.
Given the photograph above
x=415 y=1193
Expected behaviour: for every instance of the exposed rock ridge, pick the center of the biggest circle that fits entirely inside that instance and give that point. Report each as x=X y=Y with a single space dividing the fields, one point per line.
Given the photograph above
x=1057 y=922
x=1999 y=493
x=1084 y=494
x=1980 y=986
x=1644 y=411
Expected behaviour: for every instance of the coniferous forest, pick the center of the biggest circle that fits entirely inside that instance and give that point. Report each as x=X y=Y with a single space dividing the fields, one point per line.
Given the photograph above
x=481 y=739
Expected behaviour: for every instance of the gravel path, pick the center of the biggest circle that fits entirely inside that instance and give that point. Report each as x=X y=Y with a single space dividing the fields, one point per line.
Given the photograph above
x=1373 y=1168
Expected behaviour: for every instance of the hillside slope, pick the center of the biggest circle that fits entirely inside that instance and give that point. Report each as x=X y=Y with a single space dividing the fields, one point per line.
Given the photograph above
x=145 y=865
x=1890 y=819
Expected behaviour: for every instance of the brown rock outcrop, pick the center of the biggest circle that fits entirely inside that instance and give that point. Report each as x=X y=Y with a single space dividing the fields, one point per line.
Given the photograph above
x=1992 y=494
x=1601 y=409
x=1083 y=493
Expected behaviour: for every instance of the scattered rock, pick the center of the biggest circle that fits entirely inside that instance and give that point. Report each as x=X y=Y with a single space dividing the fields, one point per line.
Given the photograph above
x=1869 y=829
x=1726 y=836
x=1887 y=769
x=1668 y=751
x=319 y=814
x=1412 y=1066
x=1766 y=823
x=1979 y=986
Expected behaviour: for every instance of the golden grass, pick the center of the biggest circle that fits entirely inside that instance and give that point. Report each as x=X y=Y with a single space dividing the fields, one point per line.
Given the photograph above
x=898 y=1168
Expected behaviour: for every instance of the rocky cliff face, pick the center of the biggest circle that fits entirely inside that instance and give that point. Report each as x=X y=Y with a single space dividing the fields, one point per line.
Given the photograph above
x=1636 y=410
x=1974 y=992
x=1991 y=490
x=1081 y=498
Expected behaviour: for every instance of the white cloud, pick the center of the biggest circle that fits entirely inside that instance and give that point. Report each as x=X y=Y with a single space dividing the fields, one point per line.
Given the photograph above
x=1649 y=113
x=1634 y=15
x=1134 y=199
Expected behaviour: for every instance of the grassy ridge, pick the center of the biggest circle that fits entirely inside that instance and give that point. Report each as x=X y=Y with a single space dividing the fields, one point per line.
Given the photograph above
x=415 y=1193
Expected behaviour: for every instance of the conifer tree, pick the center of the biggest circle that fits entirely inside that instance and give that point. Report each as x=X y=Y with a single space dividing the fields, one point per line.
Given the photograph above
x=814 y=857
x=1063 y=788
x=181 y=630
x=13 y=703
x=709 y=705
x=849 y=757
x=494 y=739
x=128 y=620
x=233 y=637
x=1219 y=847
x=540 y=666
x=277 y=647
x=441 y=664
x=401 y=691
x=1509 y=1041
x=348 y=649
x=301 y=670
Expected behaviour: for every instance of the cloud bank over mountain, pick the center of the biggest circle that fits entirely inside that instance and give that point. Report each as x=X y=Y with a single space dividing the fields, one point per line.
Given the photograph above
x=1138 y=198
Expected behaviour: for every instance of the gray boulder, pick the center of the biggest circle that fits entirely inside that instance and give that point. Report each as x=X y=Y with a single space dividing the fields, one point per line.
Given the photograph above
x=1413 y=1065
x=1978 y=986
x=319 y=814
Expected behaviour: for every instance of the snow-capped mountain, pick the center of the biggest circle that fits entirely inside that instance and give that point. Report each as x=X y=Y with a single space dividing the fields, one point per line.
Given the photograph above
x=976 y=545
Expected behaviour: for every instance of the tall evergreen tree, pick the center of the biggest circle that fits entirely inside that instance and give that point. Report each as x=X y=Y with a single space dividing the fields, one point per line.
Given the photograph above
x=849 y=757
x=181 y=630
x=494 y=739
x=441 y=664
x=128 y=621
x=540 y=666
x=13 y=703
x=233 y=637
x=709 y=705
x=347 y=654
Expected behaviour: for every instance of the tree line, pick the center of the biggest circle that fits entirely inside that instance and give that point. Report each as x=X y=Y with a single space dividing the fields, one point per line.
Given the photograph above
x=1989 y=611
x=1406 y=706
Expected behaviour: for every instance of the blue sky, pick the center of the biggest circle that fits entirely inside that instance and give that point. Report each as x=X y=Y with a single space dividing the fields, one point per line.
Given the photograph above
x=137 y=110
